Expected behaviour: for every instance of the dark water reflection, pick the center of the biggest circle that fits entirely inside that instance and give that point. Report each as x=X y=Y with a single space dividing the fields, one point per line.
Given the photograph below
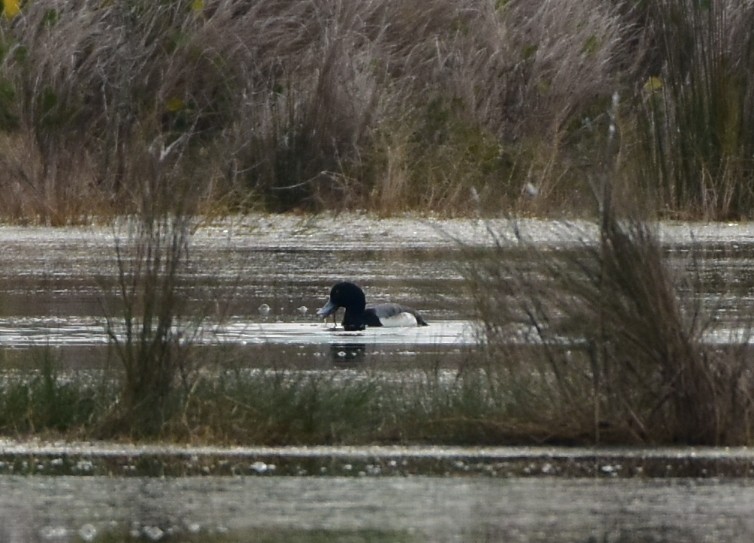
x=346 y=353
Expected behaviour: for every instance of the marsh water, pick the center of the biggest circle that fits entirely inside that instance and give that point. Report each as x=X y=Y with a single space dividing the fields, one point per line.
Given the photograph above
x=421 y=509
x=57 y=290
x=58 y=285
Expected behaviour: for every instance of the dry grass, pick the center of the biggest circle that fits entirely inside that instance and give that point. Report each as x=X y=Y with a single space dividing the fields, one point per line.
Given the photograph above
x=386 y=104
x=383 y=104
x=620 y=352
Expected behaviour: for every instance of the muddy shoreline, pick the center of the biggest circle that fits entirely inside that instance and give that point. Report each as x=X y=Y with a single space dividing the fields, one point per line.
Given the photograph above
x=87 y=459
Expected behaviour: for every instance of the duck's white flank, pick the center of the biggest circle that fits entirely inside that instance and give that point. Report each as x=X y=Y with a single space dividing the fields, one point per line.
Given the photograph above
x=401 y=319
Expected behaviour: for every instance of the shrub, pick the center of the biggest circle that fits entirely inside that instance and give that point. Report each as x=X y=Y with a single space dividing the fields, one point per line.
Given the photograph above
x=150 y=330
x=148 y=334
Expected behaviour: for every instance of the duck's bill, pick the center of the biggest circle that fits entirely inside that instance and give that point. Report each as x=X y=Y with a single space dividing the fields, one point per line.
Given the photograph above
x=327 y=310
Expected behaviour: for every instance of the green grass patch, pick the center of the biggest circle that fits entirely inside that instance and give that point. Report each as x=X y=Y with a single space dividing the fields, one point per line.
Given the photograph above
x=272 y=407
x=276 y=407
x=44 y=400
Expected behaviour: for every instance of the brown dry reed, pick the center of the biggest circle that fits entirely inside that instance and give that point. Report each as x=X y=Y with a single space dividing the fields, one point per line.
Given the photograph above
x=602 y=339
x=384 y=104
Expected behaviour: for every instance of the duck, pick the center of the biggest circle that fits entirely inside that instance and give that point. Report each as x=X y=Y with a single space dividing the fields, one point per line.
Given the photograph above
x=359 y=314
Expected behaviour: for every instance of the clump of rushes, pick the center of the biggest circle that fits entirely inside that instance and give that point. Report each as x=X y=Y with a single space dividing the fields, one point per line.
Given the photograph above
x=602 y=341
x=698 y=107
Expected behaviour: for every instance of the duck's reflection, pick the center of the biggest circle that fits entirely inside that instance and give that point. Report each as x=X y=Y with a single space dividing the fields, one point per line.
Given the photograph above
x=347 y=353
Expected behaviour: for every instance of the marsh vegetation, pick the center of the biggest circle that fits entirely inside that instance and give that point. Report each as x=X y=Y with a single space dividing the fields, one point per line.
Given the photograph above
x=151 y=114
x=384 y=105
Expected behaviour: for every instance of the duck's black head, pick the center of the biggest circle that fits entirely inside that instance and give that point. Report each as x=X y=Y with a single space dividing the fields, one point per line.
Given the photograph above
x=344 y=294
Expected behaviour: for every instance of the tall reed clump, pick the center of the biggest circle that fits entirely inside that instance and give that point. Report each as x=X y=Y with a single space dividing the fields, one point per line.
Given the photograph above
x=698 y=107
x=603 y=340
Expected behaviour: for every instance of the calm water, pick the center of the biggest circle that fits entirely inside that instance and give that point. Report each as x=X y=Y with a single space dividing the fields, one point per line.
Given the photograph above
x=55 y=286
x=377 y=509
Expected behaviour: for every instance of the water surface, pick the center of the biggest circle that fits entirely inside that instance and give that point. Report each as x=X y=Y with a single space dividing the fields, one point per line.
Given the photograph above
x=57 y=285
x=407 y=509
